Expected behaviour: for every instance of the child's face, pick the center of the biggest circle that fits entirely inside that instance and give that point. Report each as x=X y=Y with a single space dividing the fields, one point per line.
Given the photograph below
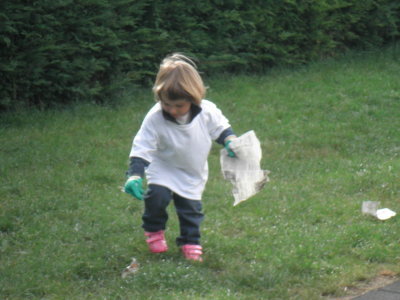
x=176 y=108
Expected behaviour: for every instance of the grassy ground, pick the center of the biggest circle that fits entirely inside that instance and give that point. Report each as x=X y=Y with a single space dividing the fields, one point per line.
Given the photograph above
x=330 y=137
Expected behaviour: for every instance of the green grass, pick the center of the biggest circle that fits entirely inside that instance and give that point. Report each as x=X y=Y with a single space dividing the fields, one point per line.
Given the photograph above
x=330 y=137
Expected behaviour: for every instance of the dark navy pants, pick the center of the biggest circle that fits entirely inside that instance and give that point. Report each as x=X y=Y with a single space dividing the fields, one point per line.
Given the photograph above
x=155 y=215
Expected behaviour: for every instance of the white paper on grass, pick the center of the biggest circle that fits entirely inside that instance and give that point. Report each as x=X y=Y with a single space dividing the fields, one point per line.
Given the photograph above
x=244 y=171
x=371 y=208
x=385 y=213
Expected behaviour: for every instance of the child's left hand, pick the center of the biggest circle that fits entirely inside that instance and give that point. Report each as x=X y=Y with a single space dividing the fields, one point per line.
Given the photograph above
x=230 y=151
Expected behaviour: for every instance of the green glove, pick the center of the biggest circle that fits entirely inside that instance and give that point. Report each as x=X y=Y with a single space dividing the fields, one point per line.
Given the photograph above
x=230 y=152
x=134 y=187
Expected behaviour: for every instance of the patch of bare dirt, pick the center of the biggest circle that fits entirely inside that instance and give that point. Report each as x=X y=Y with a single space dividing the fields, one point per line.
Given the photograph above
x=384 y=278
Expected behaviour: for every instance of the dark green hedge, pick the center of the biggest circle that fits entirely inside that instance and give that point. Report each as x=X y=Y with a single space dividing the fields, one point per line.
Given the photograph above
x=58 y=51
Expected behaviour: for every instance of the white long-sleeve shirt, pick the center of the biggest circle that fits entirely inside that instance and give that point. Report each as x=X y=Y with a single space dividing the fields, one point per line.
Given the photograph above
x=178 y=153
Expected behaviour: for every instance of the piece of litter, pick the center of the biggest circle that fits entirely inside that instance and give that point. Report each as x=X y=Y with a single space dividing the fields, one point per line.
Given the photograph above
x=370 y=207
x=131 y=269
x=384 y=214
x=244 y=171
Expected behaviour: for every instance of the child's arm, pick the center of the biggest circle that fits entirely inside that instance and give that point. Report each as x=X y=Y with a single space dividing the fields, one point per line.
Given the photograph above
x=137 y=166
x=225 y=139
x=225 y=136
x=143 y=146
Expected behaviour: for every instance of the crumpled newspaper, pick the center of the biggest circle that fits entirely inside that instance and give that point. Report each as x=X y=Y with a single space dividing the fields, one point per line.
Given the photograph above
x=244 y=171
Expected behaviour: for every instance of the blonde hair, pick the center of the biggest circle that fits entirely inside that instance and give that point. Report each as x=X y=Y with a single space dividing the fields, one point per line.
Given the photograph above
x=179 y=79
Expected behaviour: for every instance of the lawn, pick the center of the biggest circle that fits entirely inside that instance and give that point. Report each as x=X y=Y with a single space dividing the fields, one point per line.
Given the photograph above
x=330 y=137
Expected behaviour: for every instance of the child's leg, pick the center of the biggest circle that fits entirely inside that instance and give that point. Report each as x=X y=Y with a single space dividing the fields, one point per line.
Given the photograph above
x=190 y=218
x=155 y=214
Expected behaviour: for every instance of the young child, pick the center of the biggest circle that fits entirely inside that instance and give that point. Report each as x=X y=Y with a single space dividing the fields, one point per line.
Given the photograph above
x=171 y=147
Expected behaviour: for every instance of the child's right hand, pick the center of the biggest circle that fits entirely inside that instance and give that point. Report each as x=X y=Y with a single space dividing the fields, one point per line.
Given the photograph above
x=134 y=187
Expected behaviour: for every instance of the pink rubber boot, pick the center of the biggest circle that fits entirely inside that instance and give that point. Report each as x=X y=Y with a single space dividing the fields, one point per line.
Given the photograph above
x=192 y=252
x=156 y=241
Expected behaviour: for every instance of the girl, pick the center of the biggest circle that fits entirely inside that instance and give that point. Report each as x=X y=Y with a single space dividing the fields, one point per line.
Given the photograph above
x=171 y=147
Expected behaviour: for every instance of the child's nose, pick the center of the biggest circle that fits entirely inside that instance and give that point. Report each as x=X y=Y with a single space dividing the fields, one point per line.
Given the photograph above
x=173 y=111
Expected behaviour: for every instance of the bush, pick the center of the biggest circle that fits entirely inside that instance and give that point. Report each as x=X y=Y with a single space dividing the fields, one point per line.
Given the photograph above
x=62 y=51
x=55 y=52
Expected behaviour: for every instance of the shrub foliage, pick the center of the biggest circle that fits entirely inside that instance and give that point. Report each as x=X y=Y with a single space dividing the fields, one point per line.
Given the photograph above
x=58 y=51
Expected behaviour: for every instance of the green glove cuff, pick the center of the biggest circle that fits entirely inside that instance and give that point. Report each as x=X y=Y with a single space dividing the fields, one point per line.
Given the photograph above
x=230 y=152
x=135 y=188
